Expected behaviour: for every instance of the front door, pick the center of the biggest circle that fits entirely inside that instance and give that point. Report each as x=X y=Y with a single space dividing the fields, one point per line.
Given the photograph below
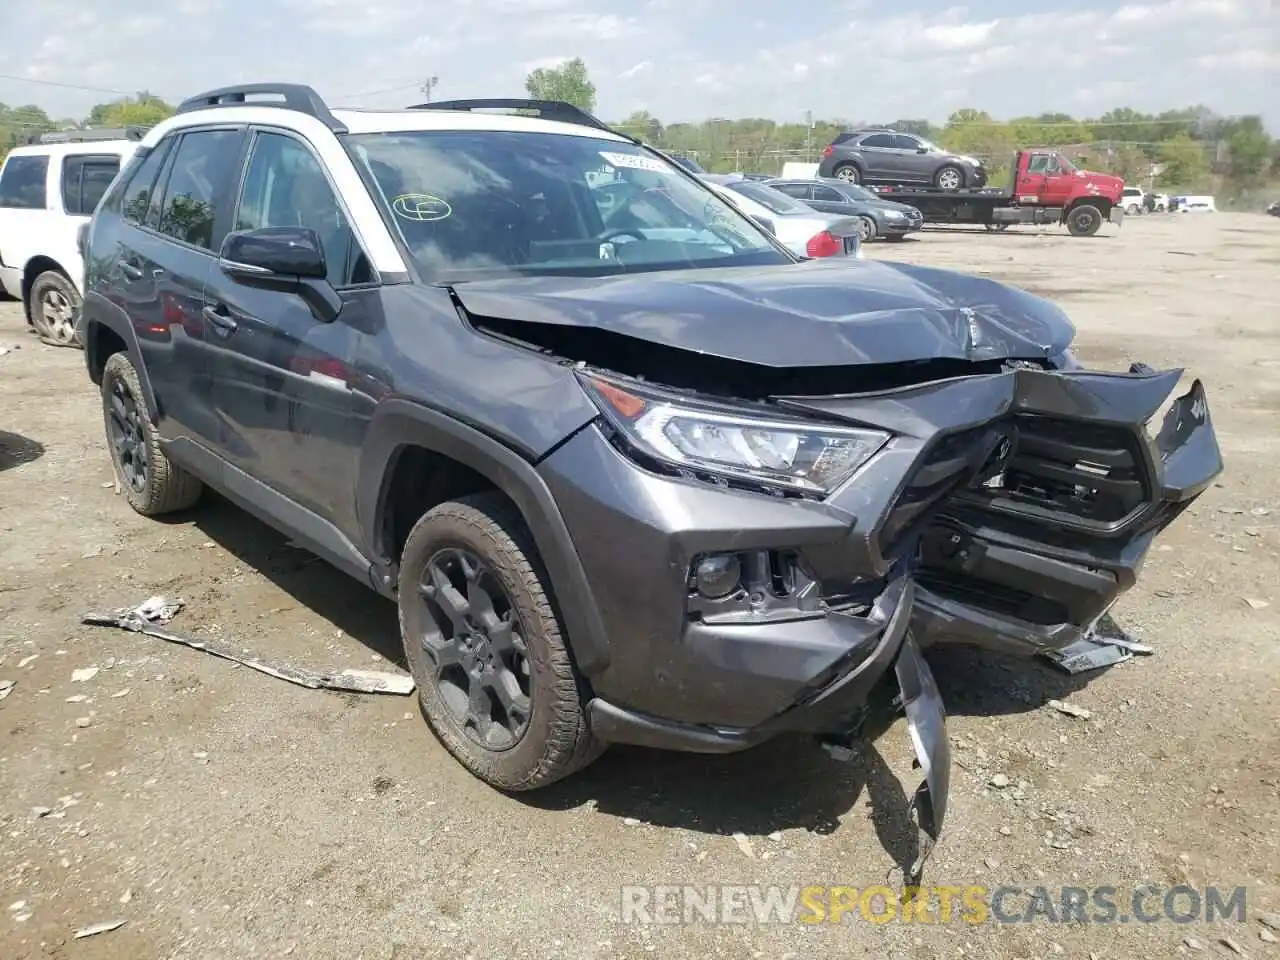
x=1031 y=179
x=284 y=383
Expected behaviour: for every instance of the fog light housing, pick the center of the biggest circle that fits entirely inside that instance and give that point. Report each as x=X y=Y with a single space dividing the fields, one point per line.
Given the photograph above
x=718 y=575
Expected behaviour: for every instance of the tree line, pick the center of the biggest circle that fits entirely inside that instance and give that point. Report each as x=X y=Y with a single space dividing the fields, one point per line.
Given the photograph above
x=1175 y=149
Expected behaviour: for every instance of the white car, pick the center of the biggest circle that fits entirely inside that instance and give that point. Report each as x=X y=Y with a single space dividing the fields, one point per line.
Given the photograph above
x=48 y=190
x=801 y=229
x=1133 y=200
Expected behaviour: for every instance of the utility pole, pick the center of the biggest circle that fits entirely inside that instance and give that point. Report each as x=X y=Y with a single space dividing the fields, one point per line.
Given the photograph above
x=808 y=134
x=428 y=85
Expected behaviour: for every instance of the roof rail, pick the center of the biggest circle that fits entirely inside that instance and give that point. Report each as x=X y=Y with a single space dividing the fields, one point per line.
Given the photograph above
x=557 y=110
x=287 y=96
x=86 y=136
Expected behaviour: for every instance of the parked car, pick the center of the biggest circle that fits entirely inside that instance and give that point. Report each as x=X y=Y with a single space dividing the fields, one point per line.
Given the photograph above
x=803 y=230
x=689 y=163
x=1133 y=199
x=877 y=216
x=636 y=476
x=48 y=190
x=886 y=156
x=1196 y=204
x=1274 y=208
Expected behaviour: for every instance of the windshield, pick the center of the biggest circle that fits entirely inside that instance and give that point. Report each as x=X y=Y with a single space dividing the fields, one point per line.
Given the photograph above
x=775 y=201
x=478 y=204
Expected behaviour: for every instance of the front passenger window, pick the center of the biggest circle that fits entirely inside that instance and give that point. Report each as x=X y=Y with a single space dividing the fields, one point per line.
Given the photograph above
x=286 y=187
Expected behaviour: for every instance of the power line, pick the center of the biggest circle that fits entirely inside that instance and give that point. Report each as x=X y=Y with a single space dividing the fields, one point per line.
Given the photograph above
x=67 y=86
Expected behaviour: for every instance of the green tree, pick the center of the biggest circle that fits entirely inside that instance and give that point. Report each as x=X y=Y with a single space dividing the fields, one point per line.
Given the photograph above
x=1249 y=147
x=1184 y=161
x=144 y=110
x=567 y=82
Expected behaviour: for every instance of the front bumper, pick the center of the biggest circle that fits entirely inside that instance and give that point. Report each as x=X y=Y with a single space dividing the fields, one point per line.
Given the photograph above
x=921 y=538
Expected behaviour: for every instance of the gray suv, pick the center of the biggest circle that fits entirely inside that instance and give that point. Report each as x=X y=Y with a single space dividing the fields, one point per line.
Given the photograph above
x=631 y=470
x=886 y=156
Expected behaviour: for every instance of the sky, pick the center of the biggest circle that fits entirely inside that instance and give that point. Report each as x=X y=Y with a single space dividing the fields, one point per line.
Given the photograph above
x=682 y=60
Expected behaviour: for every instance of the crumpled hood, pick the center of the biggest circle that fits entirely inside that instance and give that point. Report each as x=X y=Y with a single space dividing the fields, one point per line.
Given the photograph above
x=816 y=313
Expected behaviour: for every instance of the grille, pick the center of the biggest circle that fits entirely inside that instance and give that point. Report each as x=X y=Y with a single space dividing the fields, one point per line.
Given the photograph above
x=1081 y=473
x=950 y=463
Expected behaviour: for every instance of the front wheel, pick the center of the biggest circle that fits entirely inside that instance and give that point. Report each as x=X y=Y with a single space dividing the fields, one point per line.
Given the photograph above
x=849 y=173
x=1084 y=220
x=949 y=178
x=54 y=305
x=866 y=229
x=486 y=648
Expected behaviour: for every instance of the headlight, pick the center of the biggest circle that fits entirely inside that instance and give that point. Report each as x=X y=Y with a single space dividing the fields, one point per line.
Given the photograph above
x=1155 y=423
x=894 y=215
x=791 y=454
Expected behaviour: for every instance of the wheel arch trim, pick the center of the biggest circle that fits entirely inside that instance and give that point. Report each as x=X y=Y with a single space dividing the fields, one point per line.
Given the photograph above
x=398 y=423
x=99 y=311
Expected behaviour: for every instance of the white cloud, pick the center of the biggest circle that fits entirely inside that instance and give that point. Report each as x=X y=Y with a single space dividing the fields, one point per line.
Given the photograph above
x=679 y=59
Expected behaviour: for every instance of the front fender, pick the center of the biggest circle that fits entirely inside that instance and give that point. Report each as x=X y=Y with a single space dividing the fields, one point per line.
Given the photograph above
x=98 y=311
x=398 y=424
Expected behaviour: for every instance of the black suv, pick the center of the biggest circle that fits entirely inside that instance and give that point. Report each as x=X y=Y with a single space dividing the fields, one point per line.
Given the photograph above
x=631 y=471
x=886 y=156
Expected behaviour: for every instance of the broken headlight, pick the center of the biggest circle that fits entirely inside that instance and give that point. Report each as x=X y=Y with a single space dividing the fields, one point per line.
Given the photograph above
x=796 y=455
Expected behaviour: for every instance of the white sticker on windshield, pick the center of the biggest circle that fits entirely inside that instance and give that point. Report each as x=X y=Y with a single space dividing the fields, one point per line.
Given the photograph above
x=633 y=162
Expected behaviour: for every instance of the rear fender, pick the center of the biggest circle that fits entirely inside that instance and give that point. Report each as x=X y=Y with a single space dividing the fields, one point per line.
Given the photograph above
x=98 y=311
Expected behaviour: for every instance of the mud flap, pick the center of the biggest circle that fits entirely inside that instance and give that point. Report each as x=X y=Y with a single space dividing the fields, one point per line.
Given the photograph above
x=1117 y=215
x=927 y=724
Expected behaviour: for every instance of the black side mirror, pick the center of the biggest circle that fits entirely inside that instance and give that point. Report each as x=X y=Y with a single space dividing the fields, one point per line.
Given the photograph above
x=766 y=223
x=922 y=149
x=286 y=259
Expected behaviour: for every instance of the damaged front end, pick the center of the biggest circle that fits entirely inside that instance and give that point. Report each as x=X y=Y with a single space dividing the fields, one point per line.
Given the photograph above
x=771 y=528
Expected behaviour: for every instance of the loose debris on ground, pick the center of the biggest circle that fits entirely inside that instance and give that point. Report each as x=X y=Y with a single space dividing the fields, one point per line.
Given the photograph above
x=158 y=610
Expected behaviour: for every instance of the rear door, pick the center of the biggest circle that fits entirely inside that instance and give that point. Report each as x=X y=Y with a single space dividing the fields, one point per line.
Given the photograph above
x=284 y=382
x=24 y=195
x=830 y=200
x=881 y=156
x=176 y=210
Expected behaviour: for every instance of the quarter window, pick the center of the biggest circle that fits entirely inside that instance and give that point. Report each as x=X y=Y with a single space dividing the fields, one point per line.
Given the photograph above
x=22 y=184
x=199 y=182
x=84 y=181
x=828 y=195
x=286 y=187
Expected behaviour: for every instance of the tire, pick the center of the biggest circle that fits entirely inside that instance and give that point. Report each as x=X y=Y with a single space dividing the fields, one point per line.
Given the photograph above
x=1133 y=210
x=484 y=535
x=54 y=303
x=949 y=177
x=866 y=229
x=848 y=172
x=1084 y=220
x=152 y=484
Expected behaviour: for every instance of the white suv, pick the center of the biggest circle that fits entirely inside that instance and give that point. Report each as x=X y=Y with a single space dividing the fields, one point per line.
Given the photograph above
x=48 y=190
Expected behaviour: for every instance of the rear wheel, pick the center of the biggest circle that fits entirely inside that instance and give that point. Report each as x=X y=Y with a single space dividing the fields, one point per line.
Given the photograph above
x=1084 y=220
x=54 y=304
x=1133 y=209
x=486 y=648
x=866 y=229
x=949 y=178
x=849 y=173
x=150 y=482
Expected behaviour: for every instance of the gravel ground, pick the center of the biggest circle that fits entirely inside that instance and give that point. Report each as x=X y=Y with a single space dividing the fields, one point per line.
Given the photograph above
x=226 y=814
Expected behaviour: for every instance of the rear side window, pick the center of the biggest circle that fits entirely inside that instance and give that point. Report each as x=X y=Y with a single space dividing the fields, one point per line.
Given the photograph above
x=137 y=197
x=828 y=194
x=878 y=140
x=843 y=138
x=798 y=190
x=85 y=180
x=22 y=183
x=200 y=181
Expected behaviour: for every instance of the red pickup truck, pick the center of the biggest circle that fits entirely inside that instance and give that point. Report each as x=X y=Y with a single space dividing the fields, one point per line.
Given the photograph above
x=1046 y=188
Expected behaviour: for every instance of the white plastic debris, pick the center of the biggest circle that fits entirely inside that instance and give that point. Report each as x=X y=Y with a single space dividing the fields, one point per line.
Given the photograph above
x=83 y=675
x=97 y=928
x=6 y=687
x=1070 y=709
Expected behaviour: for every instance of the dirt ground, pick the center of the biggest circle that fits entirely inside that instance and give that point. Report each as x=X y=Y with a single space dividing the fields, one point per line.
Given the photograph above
x=226 y=814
